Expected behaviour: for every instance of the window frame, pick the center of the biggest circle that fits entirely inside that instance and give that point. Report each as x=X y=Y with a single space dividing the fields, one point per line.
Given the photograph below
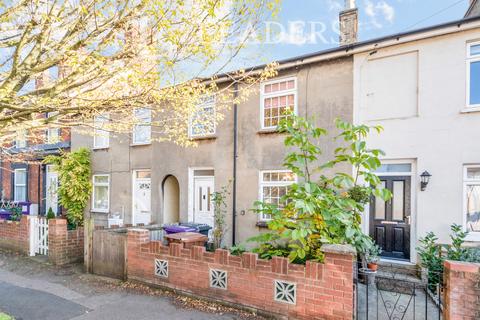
x=146 y=124
x=21 y=136
x=48 y=135
x=469 y=60
x=472 y=235
x=204 y=105
x=264 y=95
x=101 y=184
x=262 y=184
x=15 y=184
x=96 y=131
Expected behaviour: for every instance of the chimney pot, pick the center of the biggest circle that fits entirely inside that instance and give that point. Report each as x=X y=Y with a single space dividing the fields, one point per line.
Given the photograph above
x=350 y=4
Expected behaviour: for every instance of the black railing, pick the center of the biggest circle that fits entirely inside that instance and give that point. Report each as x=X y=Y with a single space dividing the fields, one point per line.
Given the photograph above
x=396 y=294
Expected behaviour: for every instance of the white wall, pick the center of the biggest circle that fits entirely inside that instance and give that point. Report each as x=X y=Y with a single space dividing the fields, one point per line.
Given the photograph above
x=440 y=138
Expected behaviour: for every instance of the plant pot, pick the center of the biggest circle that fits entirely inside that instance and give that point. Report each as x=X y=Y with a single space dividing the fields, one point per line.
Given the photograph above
x=372 y=266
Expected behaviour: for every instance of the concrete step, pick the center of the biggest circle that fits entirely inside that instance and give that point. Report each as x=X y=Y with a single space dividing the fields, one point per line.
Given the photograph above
x=399 y=271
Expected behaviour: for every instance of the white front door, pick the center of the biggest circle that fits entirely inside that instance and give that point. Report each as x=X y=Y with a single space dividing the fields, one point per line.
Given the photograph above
x=142 y=184
x=51 y=186
x=203 y=188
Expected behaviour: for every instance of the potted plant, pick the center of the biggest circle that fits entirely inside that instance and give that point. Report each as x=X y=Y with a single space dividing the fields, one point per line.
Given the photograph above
x=15 y=213
x=373 y=256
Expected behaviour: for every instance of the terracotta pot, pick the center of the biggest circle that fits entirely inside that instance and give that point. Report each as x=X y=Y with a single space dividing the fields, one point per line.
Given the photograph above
x=372 y=266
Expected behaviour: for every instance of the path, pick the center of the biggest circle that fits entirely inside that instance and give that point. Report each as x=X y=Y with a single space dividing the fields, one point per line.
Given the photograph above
x=33 y=290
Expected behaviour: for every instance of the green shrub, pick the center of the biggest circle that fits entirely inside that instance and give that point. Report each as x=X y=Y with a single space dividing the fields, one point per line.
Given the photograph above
x=433 y=255
x=237 y=250
x=326 y=209
x=50 y=214
x=15 y=213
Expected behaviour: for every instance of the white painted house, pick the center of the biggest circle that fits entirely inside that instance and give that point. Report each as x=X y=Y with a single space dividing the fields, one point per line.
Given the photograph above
x=423 y=87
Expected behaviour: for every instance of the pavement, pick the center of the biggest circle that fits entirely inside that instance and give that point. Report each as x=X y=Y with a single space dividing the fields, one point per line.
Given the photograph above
x=33 y=289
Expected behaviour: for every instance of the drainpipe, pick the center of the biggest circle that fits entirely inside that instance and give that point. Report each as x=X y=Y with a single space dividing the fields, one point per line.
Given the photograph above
x=1 y=173
x=235 y=155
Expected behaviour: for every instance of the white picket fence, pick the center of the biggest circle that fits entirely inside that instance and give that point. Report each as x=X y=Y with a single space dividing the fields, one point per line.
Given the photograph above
x=38 y=236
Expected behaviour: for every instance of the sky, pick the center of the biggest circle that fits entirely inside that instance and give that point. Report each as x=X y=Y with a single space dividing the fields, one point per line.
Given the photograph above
x=292 y=32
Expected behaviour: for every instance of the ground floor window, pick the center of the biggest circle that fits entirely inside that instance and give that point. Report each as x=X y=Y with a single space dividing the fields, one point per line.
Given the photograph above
x=20 y=185
x=101 y=193
x=472 y=197
x=273 y=186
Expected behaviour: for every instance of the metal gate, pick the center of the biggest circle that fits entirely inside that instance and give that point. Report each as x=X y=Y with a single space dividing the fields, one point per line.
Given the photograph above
x=38 y=236
x=392 y=295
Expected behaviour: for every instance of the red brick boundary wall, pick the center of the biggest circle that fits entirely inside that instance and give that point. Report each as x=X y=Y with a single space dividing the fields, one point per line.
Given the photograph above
x=314 y=291
x=64 y=246
x=462 y=290
x=14 y=235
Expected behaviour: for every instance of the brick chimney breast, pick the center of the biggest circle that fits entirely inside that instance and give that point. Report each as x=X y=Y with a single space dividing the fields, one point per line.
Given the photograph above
x=348 y=23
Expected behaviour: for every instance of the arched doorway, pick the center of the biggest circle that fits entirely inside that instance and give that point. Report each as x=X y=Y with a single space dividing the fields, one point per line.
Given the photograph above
x=171 y=200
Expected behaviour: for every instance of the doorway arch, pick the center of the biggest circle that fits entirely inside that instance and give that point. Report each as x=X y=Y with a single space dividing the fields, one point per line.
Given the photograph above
x=171 y=199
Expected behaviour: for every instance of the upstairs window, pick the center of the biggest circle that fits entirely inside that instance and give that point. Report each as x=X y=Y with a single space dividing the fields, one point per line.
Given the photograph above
x=277 y=98
x=53 y=134
x=101 y=137
x=273 y=186
x=202 y=122
x=21 y=139
x=142 y=130
x=473 y=72
x=20 y=184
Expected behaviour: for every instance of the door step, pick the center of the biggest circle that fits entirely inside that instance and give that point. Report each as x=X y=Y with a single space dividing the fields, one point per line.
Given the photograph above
x=399 y=271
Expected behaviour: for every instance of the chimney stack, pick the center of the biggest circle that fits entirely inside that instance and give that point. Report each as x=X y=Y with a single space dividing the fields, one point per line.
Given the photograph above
x=348 y=23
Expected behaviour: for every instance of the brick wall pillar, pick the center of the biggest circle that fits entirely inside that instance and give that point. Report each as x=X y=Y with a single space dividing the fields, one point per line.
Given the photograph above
x=25 y=234
x=137 y=237
x=64 y=246
x=462 y=290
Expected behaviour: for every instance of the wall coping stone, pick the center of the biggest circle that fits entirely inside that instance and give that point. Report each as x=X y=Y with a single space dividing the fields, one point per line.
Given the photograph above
x=460 y=266
x=339 y=249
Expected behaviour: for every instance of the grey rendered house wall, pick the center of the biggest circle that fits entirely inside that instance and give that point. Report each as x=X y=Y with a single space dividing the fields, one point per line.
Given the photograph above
x=325 y=92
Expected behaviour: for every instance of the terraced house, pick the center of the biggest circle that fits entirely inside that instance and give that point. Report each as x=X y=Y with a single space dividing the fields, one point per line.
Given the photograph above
x=24 y=178
x=422 y=86
x=144 y=181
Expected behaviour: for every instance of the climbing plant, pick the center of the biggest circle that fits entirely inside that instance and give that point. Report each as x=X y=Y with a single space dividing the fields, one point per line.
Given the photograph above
x=321 y=208
x=74 y=182
x=220 y=209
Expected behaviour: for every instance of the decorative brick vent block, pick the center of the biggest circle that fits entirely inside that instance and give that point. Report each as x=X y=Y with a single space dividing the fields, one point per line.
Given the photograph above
x=285 y=292
x=218 y=279
x=161 y=268
x=276 y=287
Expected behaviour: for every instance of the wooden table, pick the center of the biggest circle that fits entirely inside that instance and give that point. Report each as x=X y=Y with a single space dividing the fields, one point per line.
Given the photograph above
x=187 y=239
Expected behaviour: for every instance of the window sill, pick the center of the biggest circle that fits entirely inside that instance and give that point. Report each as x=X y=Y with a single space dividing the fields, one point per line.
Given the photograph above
x=473 y=237
x=207 y=137
x=471 y=109
x=269 y=131
x=100 y=148
x=140 y=144
x=99 y=211
x=262 y=224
